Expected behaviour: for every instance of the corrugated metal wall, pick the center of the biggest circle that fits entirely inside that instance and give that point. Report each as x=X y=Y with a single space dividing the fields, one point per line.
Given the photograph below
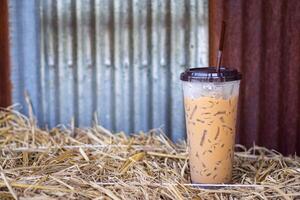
x=263 y=41
x=121 y=59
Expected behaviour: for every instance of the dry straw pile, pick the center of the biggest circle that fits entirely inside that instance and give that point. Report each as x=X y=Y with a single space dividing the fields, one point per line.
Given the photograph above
x=96 y=164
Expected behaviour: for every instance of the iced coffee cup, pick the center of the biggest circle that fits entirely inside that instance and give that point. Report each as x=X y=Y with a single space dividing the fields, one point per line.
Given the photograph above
x=210 y=101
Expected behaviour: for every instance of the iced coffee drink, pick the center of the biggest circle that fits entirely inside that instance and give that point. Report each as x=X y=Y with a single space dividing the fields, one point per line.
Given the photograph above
x=210 y=112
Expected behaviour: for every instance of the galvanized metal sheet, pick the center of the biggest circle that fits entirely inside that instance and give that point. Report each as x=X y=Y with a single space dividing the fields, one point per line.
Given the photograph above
x=119 y=59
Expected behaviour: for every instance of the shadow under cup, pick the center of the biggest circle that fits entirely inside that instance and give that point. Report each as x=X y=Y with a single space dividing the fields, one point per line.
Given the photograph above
x=210 y=101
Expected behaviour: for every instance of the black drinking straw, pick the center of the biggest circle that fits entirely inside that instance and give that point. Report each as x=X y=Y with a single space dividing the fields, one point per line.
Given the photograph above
x=220 y=50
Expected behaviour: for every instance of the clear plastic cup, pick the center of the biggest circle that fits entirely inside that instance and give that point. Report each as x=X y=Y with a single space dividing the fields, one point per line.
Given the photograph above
x=210 y=102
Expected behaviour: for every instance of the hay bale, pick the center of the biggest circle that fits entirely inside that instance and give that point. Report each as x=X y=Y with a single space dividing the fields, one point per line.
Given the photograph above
x=96 y=164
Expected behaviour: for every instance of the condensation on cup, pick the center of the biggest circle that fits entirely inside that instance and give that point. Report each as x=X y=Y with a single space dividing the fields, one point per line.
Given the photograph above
x=210 y=101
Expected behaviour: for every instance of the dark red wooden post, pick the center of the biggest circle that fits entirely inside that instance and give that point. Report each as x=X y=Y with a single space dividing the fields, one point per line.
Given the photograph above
x=5 y=84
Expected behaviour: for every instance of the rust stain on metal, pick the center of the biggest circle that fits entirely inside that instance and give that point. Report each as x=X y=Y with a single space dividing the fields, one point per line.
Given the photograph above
x=263 y=42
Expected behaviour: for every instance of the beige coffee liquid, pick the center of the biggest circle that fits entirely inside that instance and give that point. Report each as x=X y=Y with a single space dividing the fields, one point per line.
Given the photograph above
x=211 y=137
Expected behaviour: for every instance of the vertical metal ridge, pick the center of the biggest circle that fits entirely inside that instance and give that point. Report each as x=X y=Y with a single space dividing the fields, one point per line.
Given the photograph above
x=39 y=111
x=202 y=33
x=87 y=27
x=233 y=48
x=269 y=107
x=74 y=62
x=56 y=70
x=44 y=118
x=155 y=55
x=242 y=67
x=98 y=56
x=262 y=77
x=79 y=82
x=136 y=22
x=186 y=27
x=113 y=63
x=140 y=64
x=59 y=57
x=168 y=75
x=43 y=62
x=282 y=89
x=117 y=81
x=104 y=62
x=177 y=65
x=283 y=59
x=291 y=83
x=125 y=82
x=84 y=63
x=162 y=63
x=131 y=92
x=63 y=56
x=251 y=72
x=192 y=33
x=70 y=60
x=51 y=44
x=148 y=72
x=93 y=36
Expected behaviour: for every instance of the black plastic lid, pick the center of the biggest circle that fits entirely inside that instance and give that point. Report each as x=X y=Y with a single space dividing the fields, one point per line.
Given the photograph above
x=210 y=74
